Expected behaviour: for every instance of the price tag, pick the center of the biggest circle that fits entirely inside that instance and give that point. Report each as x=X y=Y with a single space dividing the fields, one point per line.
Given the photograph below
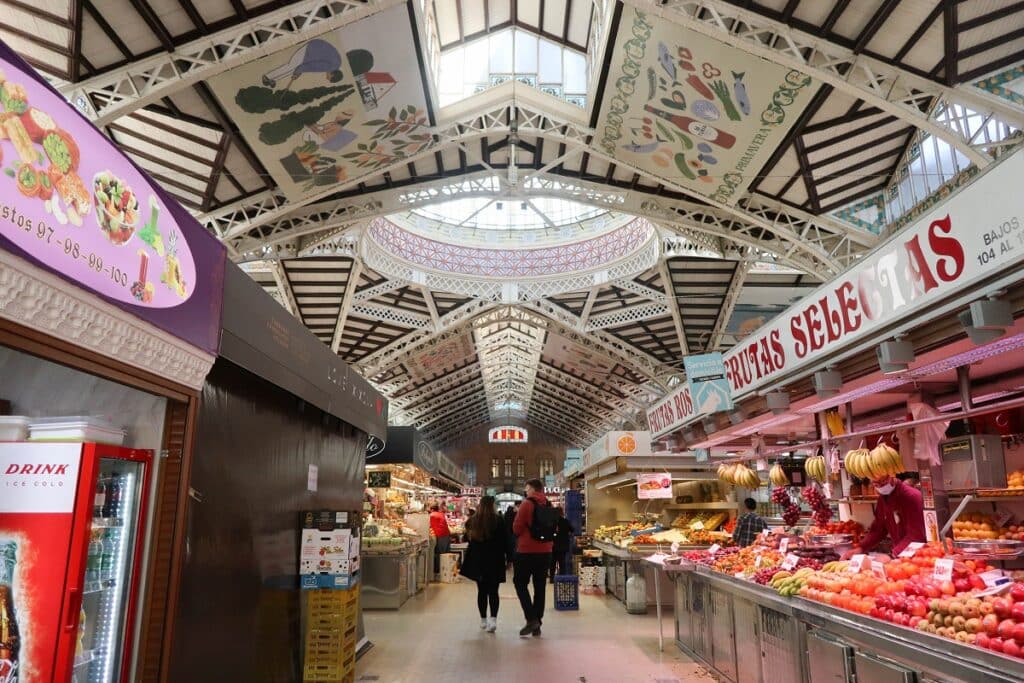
x=784 y=545
x=764 y=534
x=943 y=570
x=713 y=550
x=657 y=558
x=994 y=578
x=878 y=569
x=675 y=547
x=697 y=526
x=790 y=562
x=758 y=561
x=1003 y=518
x=911 y=549
x=856 y=563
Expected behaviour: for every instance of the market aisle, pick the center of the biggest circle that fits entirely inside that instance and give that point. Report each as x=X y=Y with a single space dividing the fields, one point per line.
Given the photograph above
x=436 y=638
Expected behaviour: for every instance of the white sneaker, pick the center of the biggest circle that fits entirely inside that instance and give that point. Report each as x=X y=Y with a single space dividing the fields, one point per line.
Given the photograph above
x=484 y=623
x=492 y=624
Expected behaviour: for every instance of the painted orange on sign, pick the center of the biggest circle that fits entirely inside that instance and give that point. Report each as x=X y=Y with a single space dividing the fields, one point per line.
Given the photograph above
x=626 y=444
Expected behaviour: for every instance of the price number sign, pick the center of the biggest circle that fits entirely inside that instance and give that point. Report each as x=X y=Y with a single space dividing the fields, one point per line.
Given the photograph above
x=943 y=570
x=790 y=562
x=911 y=549
x=856 y=563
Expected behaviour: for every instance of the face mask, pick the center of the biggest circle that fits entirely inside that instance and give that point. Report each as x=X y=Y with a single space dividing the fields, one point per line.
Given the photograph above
x=885 y=490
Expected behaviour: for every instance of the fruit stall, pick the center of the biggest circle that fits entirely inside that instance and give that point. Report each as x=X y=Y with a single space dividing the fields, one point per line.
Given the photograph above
x=742 y=614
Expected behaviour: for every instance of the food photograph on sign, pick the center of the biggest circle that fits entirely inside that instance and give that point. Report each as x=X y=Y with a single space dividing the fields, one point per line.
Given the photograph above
x=691 y=110
x=93 y=216
x=651 y=486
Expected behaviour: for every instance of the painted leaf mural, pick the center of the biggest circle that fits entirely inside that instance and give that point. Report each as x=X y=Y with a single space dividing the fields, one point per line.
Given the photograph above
x=691 y=110
x=334 y=108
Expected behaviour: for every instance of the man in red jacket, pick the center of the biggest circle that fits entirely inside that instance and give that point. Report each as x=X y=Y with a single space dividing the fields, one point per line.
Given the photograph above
x=533 y=557
x=442 y=535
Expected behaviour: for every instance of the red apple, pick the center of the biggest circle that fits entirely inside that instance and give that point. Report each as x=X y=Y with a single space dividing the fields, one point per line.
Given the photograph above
x=982 y=640
x=977 y=582
x=1005 y=629
x=1017 y=591
x=1002 y=607
x=1011 y=648
x=948 y=588
x=919 y=609
x=1018 y=633
x=990 y=624
x=931 y=590
x=995 y=644
x=1017 y=612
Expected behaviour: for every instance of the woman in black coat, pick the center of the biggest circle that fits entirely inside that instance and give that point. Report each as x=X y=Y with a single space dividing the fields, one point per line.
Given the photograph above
x=486 y=558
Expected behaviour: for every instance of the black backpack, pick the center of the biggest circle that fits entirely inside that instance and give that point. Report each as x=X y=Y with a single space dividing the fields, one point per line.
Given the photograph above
x=545 y=521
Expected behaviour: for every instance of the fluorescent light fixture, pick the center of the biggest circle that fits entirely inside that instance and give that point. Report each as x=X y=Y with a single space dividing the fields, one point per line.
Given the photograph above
x=827 y=383
x=614 y=480
x=778 y=402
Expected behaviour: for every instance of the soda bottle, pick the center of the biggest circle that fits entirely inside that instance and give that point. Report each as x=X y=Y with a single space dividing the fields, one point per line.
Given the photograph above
x=100 y=501
x=10 y=641
x=108 y=555
x=112 y=505
x=93 y=560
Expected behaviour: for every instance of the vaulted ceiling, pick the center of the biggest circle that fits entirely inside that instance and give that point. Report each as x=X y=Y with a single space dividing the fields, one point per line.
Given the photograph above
x=574 y=355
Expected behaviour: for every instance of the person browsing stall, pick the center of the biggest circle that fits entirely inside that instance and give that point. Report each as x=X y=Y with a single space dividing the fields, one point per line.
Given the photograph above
x=749 y=525
x=899 y=516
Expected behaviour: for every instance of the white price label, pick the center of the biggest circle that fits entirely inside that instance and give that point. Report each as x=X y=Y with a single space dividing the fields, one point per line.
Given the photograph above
x=994 y=578
x=790 y=562
x=764 y=534
x=758 y=561
x=714 y=549
x=943 y=570
x=878 y=569
x=697 y=526
x=856 y=563
x=674 y=547
x=911 y=549
x=784 y=545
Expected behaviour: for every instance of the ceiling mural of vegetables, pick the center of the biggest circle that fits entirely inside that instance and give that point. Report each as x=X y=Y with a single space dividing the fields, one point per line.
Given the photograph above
x=334 y=108
x=692 y=110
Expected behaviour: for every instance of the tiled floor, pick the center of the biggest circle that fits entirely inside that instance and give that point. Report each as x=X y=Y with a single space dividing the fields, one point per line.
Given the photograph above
x=436 y=638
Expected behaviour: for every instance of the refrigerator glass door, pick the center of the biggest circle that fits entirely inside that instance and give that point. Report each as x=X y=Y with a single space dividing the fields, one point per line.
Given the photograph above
x=102 y=629
x=37 y=497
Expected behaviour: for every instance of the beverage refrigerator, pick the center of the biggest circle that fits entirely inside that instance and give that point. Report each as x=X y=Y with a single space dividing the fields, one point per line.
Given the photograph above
x=70 y=550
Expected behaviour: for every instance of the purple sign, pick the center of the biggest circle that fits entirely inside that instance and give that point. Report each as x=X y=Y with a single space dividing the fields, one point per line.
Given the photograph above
x=71 y=201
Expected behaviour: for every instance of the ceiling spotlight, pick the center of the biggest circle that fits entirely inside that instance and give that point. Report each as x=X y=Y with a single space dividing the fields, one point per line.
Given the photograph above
x=710 y=426
x=778 y=402
x=977 y=335
x=895 y=356
x=736 y=416
x=689 y=436
x=991 y=314
x=827 y=383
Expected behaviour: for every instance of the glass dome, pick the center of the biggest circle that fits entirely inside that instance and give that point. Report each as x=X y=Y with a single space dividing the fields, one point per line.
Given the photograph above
x=536 y=213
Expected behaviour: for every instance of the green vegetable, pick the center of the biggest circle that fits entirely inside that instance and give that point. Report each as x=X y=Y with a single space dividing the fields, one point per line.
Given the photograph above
x=722 y=90
x=680 y=160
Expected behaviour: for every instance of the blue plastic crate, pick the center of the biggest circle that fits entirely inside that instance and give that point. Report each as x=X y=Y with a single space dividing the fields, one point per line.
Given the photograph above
x=567 y=592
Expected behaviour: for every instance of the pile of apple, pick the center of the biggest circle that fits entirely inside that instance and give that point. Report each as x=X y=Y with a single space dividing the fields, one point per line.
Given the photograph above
x=994 y=622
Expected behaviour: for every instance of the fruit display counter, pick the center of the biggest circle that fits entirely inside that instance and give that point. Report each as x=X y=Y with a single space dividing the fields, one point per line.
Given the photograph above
x=926 y=617
x=393 y=572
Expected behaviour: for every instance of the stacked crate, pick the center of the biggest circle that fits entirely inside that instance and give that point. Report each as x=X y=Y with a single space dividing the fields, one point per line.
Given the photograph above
x=332 y=619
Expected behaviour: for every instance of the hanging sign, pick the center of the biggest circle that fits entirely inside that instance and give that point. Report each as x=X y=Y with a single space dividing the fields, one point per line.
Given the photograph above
x=73 y=203
x=656 y=485
x=671 y=412
x=472 y=491
x=963 y=240
x=705 y=373
x=378 y=480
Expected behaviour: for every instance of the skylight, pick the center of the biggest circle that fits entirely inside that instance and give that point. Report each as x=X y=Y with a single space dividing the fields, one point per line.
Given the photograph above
x=509 y=214
x=513 y=54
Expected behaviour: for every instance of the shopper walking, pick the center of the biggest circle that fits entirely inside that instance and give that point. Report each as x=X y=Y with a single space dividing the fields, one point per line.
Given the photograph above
x=442 y=535
x=560 y=548
x=485 y=559
x=534 y=528
x=510 y=516
x=749 y=525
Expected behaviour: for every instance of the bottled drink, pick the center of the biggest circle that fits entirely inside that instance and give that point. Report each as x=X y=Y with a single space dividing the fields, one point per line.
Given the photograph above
x=10 y=641
x=112 y=505
x=92 y=562
x=100 y=501
x=108 y=555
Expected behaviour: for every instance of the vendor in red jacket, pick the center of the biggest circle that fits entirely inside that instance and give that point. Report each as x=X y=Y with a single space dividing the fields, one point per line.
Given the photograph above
x=440 y=531
x=899 y=515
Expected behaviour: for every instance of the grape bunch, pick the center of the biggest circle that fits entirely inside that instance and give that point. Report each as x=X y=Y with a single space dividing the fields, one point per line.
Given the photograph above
x=821 y=512
x=763 y=576
x=809 y=563
x=791 y=514
x=780 y=496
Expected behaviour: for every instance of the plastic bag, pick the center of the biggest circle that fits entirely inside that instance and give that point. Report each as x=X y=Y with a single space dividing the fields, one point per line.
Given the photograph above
x=927 y=436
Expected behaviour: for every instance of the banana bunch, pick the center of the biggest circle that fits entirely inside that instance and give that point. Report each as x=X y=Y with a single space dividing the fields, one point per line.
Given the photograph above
x=873 y=464
x=777 y=475
x=788 y=584
x=814 y=466
x=739 y=474
x=835 y=567
x=834 y=422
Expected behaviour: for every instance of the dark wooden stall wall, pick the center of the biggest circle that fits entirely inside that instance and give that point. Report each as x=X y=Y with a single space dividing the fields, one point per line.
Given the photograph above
x=473 y=446
x=238 y=606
